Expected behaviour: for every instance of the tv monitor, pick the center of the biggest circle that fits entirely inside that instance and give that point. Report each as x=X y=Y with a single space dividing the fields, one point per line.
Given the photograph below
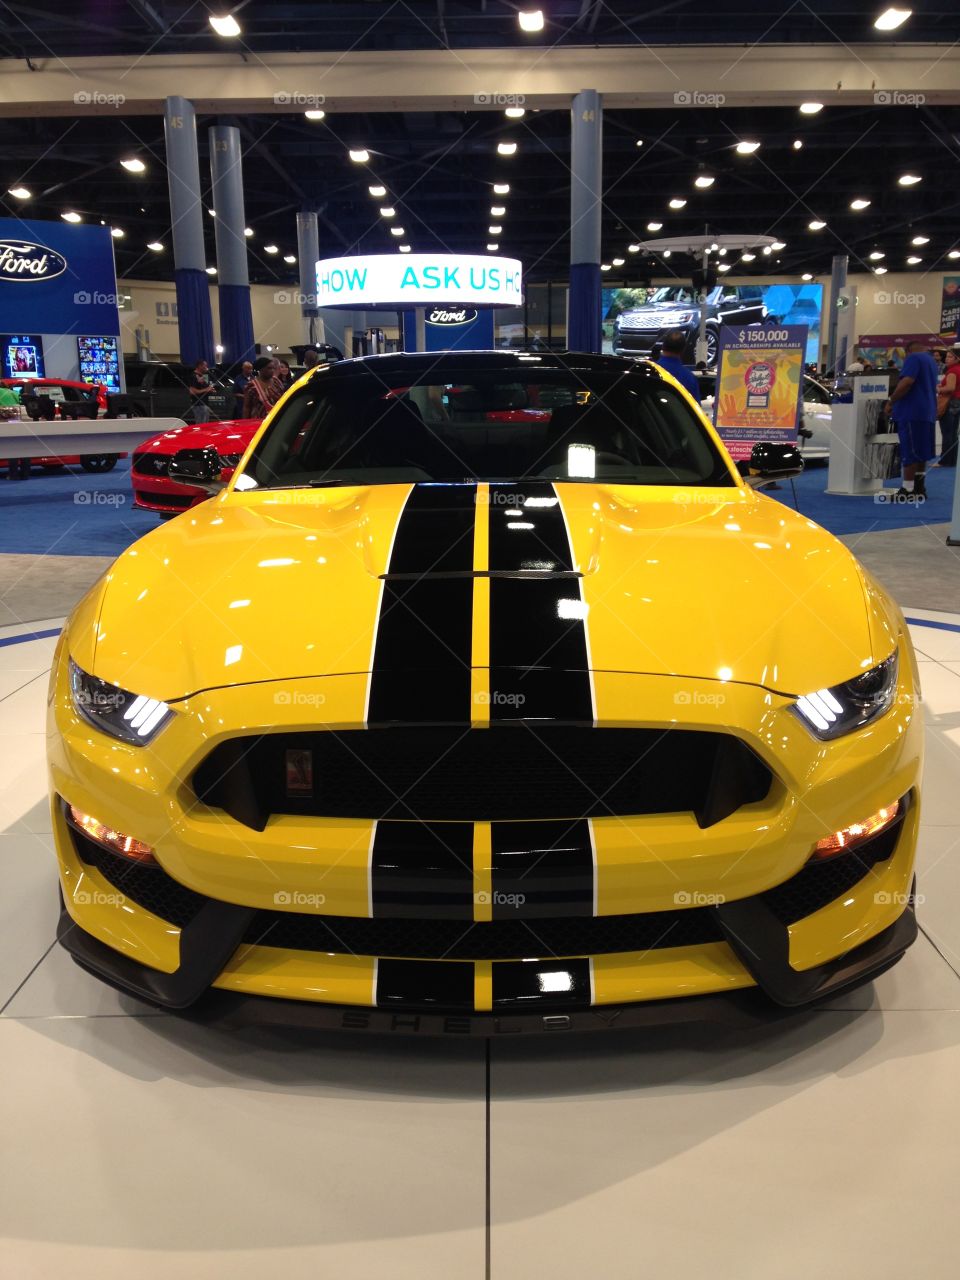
x=22 y=355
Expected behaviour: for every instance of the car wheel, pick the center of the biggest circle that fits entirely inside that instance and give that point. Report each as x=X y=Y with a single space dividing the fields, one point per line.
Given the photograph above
x=99 y=462
x=713 y=346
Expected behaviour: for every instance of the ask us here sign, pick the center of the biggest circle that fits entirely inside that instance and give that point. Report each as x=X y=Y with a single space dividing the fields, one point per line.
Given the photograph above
x=419 y=279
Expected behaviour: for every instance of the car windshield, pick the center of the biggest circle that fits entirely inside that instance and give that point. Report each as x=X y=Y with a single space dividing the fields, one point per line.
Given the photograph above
x=616 y=427
x=672 y=293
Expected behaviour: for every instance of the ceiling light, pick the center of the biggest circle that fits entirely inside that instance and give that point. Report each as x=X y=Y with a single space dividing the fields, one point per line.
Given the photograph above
x=778 y=245
x=493 y=247
x=397 y=231
x=816 y=224
x=289 y=259
x=723 y=266
x=604 y=266
x=677 y=203
x=133 y=165
x=806 y=276
x=404 y=248
x=722 y=252
x=798 y=144
x=877 y=255
x=859 y=203
x=506 y=148
x=211 y=271
x=498 y=210
x=633 y=248
x=212 y=213
x=954 y=253
x=747 y=257
x=530 y=19
x=747 y=148
x=248 y=232
x=618 y=262
x=920 y=240
x=909 y=179
x=225 y=25
x=388 y=212
x=515 y=113
x=21 y=193
x=666 y=253
x=156 y=246
x=501 y=188
x=359 y=155
x=270 y=248
x=117 y=232
x=892 y=18
x=494 y=229
x=639 y=142
x=703 y=181
x=810 y=108
x=767 y=250
x=314 y=115
x=879 y=271
x=913 y=260
x=70 y=216
x=654 y=226
x=377 y=192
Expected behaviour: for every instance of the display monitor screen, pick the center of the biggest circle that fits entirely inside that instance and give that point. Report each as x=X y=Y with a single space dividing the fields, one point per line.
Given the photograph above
x=22 y=355
x=100 y=362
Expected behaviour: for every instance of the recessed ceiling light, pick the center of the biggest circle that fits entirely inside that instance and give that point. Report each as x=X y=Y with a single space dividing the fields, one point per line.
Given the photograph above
x=388 y=211
x=747 y=148
x=156 y=246
x=892 y=18
x=397 y=231
x=913 y=260
x=21 y=193
x=133 y=165
x=666 y=253
x=225 y=25
x=909 y=179
x=314 y=115
x=515 y=113
x=747 y=257
x=859 y=203
x=494 y=229
x=270 y=248
x=404 y=248
x=954 y=254
x=359 y=155
x=530 y=19
x=633 y=248
x=289 y=259
x=618 y=262
x=778 y=245
x=493 y=247
x=722 y=252
x=117 y=232
x=506 y=148
x=920 y=240
x=703 y=180
x=677 y=203
x=798 y=144
x=639 y=142
x=877 y=255
x=879 y=271
x=816 y=224
x=211 y=271
x=248 y=232
x=501 y=188
x=654 y=226
x=604 y=266
x=498 y=210
x=212 y=213
x=377 y=192
x=806 y=276
x=723 y=266
x=70 y=216
x=767 y=250
x=810 y=108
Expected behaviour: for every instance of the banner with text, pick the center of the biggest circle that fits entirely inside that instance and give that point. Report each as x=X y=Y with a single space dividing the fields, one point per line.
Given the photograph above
x=950 y=307
x=759 y=381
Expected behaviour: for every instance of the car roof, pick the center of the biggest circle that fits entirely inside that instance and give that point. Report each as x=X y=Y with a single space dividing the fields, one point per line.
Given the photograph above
x=417 y=363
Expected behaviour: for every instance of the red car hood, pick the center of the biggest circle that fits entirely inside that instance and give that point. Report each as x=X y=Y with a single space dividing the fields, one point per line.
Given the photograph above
x=232 y=436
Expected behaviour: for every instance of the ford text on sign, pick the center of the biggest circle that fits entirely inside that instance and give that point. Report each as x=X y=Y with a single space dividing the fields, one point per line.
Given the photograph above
x=419 y=279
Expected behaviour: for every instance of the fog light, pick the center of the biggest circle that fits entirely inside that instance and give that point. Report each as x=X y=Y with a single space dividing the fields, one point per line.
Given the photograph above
x=113 y=840
x=849 y=837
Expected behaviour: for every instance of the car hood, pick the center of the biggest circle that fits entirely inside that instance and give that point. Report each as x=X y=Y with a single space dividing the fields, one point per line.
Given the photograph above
x=720 y=584
x=658 y=309
x=231 y=436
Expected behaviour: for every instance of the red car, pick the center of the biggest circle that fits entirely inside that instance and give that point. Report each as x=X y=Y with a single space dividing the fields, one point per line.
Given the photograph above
x=152 y=491
x=82 y=400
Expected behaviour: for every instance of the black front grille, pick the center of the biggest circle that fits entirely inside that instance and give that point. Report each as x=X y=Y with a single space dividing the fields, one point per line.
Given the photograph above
x=825 y=880
x=151 y=464
x=498 y=774
x=179 y=501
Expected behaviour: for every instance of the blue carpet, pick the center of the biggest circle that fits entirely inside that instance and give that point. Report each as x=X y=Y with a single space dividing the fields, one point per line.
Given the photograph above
x=70 y=513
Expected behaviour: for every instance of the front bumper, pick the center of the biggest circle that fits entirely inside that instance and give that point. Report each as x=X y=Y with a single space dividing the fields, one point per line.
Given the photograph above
x=156 y=493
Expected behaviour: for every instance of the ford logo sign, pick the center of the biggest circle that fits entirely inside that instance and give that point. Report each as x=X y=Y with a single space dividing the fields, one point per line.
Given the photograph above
x=451 y=315
x=21 y=260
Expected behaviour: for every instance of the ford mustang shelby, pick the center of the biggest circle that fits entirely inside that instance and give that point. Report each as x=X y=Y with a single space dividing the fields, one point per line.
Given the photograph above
x=435 y=720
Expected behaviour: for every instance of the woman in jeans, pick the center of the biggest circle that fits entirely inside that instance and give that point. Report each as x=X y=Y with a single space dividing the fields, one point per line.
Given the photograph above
x=948 y=393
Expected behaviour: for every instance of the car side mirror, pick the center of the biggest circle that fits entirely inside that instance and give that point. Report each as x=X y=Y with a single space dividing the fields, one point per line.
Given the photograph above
x=772 y=462
x=198 y=468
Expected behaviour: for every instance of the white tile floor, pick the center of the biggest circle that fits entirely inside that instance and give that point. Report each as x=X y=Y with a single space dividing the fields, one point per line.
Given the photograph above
x=147 y=1145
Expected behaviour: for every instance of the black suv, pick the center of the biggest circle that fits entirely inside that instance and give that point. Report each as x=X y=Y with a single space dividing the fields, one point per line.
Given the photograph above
x=675 y=306
x=163 y=390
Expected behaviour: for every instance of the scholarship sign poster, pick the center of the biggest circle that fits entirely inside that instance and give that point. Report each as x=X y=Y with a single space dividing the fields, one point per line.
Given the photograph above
x=759 y=382
x=950 y=307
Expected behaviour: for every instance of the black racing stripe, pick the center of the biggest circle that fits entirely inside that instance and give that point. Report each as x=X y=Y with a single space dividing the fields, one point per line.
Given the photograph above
x=538 y=657
x=422 y=870
x=447 y=983
x=544 y=983
x=421 y=661
x=542 y=869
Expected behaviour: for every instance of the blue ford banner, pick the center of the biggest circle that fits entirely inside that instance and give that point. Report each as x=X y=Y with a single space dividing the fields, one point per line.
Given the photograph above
x=57 y=278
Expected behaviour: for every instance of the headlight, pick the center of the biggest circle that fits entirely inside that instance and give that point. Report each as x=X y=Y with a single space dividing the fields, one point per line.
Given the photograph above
x=116 y=711
x=830 y=713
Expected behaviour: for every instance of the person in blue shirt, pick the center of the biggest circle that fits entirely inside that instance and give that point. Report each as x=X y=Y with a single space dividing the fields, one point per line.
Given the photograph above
x=913 y=407
x=673 y=348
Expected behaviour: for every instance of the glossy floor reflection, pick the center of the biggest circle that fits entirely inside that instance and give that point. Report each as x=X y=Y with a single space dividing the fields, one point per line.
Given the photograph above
x=138 y=1143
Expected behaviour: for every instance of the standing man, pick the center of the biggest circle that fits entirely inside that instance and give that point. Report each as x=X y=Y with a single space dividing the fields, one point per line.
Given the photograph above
x=670 y=358
x=200 y=388
x=914 y=413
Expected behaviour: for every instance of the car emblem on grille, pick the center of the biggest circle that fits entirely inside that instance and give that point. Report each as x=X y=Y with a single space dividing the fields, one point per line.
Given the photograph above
x=299 y=765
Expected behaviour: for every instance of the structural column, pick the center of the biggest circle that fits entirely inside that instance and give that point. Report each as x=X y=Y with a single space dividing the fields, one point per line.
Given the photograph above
x=586 y=191
x=838 y=281
x=186 y=225
x=308 y=251
x=236 y=317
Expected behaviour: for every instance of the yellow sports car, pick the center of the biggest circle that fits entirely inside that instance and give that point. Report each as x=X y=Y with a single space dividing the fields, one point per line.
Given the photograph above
x=486 y=696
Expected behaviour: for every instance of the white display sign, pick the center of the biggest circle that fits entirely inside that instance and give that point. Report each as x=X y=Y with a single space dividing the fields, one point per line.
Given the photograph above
x=418 y=280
